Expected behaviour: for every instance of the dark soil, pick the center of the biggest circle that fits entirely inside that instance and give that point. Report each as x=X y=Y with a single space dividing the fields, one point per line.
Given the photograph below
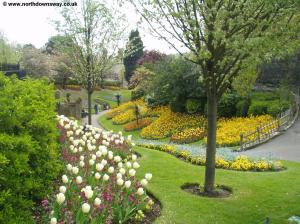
x=221 y=191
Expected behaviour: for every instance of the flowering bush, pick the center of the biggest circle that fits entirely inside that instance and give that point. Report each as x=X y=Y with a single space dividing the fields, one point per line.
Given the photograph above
x=99 y=184
x=132 y=126
x=169 y=123
x=188 y=135
x=240 y=163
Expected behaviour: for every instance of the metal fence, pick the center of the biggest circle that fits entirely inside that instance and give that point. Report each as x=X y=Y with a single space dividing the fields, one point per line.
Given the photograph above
x=268 y=130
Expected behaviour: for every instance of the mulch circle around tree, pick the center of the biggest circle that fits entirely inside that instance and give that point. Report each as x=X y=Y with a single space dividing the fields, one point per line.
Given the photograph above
x=221 y=191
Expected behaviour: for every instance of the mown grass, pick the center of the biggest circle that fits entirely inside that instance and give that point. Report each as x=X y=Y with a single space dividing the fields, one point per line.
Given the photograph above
x=256 y=195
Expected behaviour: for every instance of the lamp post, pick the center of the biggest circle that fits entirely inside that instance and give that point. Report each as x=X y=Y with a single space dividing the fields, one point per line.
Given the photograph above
x=118 y=98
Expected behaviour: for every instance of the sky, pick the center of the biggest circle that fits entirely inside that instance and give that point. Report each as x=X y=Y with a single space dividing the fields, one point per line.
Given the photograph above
x=32 y=24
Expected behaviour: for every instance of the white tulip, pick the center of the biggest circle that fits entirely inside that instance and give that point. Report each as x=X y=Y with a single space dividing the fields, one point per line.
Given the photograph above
x=69 y=167
x=127 y=184
x=105 y=177
x=75 y=150
x=140 y=191
x=97 y=201
x=62 y=189
x=85 y=208
x=94 y=157
x=103 y=162
x=98 y=154
x=99 y=166
x=122 y=171
x=53 y=221
x=64 y=179
x=120 y=182
x=144 y=182
x=148 y=176
x=80 y=149
x=88 y=193
x=119 y=175
x=81 y=164
x=136 y=165
x=71 y=139
x=97 y=175
x=111 y=169
x=93 y=141
x=134 y=157
x=117 y=159
x=78 y=179
x=81 y=158
x=120 y=164
x=75 y=170
x=131 y=172
x=91 y=162
x=60 y=198
x=128 y=164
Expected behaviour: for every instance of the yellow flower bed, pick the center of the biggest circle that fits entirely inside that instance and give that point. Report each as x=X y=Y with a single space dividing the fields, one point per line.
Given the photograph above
x=188 y=135
x=239 y=163
x=128 y=116
x=169 y=123
x=229 y=130
x=123 y=108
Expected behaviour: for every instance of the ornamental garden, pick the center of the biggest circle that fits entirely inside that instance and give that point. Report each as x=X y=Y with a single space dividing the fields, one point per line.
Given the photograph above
x=96 y=127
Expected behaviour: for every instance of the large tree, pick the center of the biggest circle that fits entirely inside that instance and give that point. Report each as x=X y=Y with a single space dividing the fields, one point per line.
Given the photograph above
x=223 y=36
x=95 y=32
x=132 y=53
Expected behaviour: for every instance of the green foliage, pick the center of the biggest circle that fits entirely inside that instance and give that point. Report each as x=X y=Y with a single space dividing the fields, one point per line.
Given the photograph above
x=242 y=107
x=175 y=79
x=136 y=94
x=8 y=53
x=28 y=145
x=192 y=105
x=258 y=108
x=227 y=104
x=276 y=107
x=177 y=104
x=132 y=53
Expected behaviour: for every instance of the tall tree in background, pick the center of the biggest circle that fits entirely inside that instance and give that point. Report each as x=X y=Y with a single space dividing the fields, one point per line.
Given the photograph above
x=132 y=53
x=95 y=31
x=224 y=37
x=9 y=54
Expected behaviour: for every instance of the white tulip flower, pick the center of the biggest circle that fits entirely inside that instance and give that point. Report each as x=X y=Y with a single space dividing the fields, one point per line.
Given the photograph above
x=122 y=171
x=127 y=184
x=105 y=177
x=120 y=164
x=69 y=167
x=75 y=150
x=119 y=175
x=64 y=179
x=97 y=175
x=132 y=172
x=94 y=141
x=134 y=157
x=148 y=176
x=120 y=181
x=99 y=166
x=71 y=147
x=136 y=165
x=78 y=179
x=85 y=208
x=144 y=182
x=98 y=153
x=103 y=162
x=97 y=201
x=128 y=164
x=75 y=170
x=140 y=191
x=71 y=139
x=53 y=220
x=88 y=193
x=62 y=189
x=81 y=164
x=117 y=159
x=94 y=157
x=81 y=158
x=80 y=149
x=60 y=198
x=91 y=162
x=111 y=169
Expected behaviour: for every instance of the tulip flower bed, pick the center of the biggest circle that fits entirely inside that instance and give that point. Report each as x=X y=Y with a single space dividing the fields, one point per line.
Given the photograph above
x=133 y=126
x=188 y=136
x=123 y=108
x=239 y=163
x=99 y=183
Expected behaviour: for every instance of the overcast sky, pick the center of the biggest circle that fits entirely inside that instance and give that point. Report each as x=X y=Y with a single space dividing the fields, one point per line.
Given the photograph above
x=33 y=25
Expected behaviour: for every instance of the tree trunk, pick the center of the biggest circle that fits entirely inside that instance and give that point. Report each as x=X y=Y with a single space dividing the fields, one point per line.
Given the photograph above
x=211 y=140
x=90 y=107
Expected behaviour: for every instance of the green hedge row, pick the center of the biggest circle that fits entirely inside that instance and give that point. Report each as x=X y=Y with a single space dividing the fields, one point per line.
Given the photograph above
x=29 y=159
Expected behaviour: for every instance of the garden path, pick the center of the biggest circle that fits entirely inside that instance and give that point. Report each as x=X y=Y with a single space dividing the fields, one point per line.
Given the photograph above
x=286 y=146
x=95 y=117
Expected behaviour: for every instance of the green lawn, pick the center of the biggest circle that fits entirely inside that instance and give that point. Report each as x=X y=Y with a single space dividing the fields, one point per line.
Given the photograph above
x=255 y=195
x=105 y=95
